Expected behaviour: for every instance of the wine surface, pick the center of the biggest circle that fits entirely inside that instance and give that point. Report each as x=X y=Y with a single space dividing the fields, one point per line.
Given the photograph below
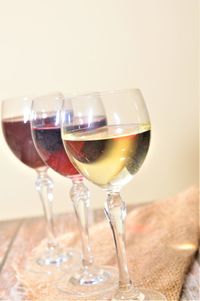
x=111 y=155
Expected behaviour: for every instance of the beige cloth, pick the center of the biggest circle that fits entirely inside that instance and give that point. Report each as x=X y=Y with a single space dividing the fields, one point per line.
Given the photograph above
x=162 y=239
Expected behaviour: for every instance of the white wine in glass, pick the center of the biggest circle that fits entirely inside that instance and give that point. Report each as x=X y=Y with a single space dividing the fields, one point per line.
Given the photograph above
x=109 y=157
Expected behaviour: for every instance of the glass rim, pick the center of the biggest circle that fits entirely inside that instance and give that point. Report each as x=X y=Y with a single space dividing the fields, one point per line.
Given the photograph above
x=44 y=96
x=30 y=97
x=103 y=92
x=15 y=98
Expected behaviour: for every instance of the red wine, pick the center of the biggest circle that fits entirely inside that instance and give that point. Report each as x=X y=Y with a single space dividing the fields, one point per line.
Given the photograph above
x=48 y=141
x=50 y=147
x=18 y=137
x=111 y=155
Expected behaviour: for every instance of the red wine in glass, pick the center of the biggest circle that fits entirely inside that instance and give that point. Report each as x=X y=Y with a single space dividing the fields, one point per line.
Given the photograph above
x=17 y=133
x=49 y=144
x=46 y=132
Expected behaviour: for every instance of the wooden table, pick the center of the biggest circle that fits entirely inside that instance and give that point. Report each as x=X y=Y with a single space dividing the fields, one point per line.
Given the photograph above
x=15 y=241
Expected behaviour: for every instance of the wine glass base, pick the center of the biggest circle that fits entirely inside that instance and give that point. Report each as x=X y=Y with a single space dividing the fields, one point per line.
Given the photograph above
x=141 y=294
x=58 y=259
x=50 y=263
x=89 y=282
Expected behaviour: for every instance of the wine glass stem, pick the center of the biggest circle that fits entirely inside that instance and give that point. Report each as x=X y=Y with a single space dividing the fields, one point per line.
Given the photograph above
x=44 y=186
x=115 y=210
x=79 y=194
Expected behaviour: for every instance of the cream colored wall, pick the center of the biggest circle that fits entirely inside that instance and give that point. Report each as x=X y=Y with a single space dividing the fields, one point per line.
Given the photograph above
x=83 y=45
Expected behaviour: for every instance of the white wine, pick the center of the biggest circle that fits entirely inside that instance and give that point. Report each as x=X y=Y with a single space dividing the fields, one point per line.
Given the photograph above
x=111 y=155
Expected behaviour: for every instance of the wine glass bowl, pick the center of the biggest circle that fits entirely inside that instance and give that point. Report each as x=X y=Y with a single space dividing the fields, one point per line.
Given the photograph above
x=109 y=156
x=47 y=136
x=119 y=147
x=17 y=131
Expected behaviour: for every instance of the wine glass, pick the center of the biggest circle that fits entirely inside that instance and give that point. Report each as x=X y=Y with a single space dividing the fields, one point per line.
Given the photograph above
x=17 y=133
x=119 y=148
x=45 y=125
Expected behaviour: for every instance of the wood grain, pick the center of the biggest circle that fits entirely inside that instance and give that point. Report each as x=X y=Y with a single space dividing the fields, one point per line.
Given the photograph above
x=28 y=235
x=8 y=231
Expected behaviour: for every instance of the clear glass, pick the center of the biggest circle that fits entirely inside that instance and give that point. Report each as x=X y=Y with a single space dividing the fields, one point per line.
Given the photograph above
x=17 y=132
x=119 y=148
x=46 y=133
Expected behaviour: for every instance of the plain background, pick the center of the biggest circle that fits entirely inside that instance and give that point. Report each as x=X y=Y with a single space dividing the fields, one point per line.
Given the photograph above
x=85 y=45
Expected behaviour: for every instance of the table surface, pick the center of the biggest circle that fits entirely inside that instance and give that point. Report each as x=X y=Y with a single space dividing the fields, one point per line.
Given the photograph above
x=14 y=232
